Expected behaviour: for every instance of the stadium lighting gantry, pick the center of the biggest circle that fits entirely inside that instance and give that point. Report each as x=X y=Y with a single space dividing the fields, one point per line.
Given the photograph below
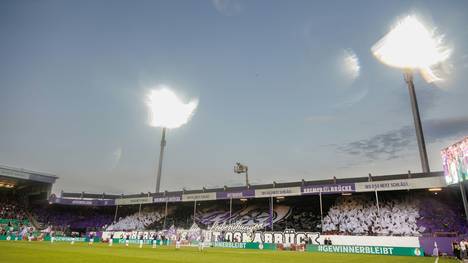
x=242 y=169
x=411 y=46
x=167 y=111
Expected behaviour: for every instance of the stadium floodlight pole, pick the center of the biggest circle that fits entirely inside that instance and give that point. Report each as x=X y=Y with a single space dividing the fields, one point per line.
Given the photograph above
x=411 y=46
x=247 y=176
x=167 y=111
x=161 y=156
x=417 y=121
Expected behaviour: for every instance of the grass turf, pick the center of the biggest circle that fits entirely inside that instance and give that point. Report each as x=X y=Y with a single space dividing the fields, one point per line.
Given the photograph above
x=22 y=251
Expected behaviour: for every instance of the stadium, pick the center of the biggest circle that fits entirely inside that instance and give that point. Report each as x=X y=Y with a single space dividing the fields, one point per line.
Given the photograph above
x=298 y=95
x=409 y=215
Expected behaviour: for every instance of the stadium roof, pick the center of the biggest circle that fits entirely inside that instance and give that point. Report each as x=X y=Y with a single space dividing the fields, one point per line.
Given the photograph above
x=12 y=177
x=259 y=186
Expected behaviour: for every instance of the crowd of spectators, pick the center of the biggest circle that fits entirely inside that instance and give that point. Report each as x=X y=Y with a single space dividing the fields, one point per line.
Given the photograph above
x=13 y=216
x=359 y=215
x=73 y=218
x=138 y=221
x=441 y=215
x=301 y=218
x=10 y=209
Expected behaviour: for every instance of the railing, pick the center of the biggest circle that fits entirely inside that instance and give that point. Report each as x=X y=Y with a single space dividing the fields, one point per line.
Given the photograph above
x=13 y=221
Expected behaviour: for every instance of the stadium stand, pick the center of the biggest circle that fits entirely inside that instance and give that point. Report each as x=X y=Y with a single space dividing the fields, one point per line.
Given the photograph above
x=441 y=215
x=358 y=215
x=137 y=221
x=399 y=214
x=13 y=216
x=66 y=218
x=11 y=209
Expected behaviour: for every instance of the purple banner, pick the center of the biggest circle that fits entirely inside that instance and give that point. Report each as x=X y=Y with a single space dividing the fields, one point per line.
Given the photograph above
x=163 y=199
x=235 y=195
x=84 y=202
x=328 y=189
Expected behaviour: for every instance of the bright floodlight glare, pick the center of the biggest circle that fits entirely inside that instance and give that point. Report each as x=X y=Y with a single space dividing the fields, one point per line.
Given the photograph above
x=167 y=110
x=410 y=45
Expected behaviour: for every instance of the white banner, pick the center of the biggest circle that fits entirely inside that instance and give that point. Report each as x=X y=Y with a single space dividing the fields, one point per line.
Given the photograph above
x=198 y=197
x=134 y=201
x=286 y=191
x=147 y=234
x=387 y=241
x=402 y=184
x=164 y=199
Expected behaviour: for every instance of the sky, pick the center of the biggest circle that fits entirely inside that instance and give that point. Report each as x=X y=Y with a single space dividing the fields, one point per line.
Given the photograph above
x=288 y=88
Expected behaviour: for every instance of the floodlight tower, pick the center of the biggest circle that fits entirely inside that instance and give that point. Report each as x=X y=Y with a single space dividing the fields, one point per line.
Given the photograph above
x=408 y=75
x=166 y=110
x=240 y=168
x=161 y=156
x=411 y=46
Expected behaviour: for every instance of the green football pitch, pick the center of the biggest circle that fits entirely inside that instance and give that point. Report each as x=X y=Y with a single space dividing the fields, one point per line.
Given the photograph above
x=22 y=251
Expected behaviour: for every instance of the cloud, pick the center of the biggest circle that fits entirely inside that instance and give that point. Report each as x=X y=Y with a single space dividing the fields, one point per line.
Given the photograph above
x=319 y=118
x=391 y=144
x=227 y=7
x=446 y=128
